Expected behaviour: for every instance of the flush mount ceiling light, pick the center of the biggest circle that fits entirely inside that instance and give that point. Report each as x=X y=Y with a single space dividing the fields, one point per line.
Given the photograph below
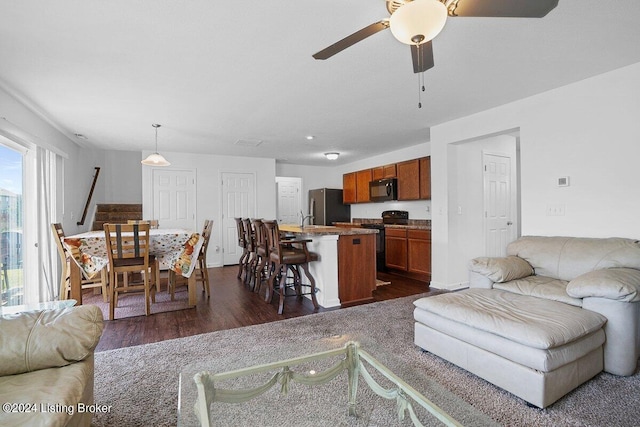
x=418 y=21
x=332 y=155
x=156 y=158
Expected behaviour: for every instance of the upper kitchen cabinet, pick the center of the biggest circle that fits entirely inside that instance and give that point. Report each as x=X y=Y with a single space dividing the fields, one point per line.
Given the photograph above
x=349 y=188
x=425 y=178
x=355 y=186
x=363 y=178
x=409 y=180
x=381 y=172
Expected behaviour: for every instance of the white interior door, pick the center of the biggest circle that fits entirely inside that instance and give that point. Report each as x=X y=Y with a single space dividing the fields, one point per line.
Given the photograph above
x=174 y=198
x=499 y=211
x=289 y=200
x=238 y=201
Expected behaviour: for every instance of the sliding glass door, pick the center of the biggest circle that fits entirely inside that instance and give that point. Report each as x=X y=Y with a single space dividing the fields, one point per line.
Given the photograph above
x=11 y=226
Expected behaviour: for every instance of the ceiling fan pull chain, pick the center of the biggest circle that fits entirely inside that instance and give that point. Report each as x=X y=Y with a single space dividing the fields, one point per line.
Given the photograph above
x=419 y=49
x=419 y=94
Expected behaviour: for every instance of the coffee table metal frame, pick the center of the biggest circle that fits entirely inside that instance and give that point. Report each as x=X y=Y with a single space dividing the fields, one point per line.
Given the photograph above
x=353 y=361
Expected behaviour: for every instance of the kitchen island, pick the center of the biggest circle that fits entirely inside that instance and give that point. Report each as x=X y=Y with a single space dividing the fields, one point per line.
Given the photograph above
x=345 y=272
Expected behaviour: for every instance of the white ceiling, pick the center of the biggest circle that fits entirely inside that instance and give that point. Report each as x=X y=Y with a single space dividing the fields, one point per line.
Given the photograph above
x=212 y=73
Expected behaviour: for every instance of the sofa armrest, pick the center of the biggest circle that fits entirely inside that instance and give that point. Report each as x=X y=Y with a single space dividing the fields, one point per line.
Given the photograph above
x=36 y=340
x=619 y=284
x=501 y=269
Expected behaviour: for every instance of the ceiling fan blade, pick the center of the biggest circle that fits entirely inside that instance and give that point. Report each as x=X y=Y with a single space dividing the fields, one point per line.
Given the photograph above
x=352 y=39
x=422 y=56
x=504 y=8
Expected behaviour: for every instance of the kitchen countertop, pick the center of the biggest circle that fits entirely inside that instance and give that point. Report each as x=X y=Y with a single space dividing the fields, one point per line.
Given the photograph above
x=320 y=230
x=411 y=226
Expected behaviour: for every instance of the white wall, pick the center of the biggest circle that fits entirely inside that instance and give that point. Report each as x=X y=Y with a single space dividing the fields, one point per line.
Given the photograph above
x=121 y=177
x=209 y=170
x=588 y=130
x=22 y=123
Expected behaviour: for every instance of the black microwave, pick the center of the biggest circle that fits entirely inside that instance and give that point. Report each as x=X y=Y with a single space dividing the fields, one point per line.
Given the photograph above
x=382 y=190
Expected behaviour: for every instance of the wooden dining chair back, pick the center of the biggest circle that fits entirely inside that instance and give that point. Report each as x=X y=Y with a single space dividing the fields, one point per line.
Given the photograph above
x=128 y=248
x=288 y=255
x=203 y=274
x=98 y=283
x=153 y=223
x=242 y=243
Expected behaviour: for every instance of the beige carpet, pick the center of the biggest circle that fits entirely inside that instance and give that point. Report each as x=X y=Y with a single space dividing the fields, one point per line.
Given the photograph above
x=141 y=383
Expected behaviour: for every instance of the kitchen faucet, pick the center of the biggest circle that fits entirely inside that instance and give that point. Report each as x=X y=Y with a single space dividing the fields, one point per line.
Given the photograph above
x=303 y=218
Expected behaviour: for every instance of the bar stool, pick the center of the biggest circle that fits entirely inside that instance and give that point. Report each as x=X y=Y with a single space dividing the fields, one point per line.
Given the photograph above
x=288 y=255
x=262 y=254
x=250 y=261
x=243 y=244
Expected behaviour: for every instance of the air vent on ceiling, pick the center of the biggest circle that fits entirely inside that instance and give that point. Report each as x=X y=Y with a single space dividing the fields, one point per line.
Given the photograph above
x=249 y=142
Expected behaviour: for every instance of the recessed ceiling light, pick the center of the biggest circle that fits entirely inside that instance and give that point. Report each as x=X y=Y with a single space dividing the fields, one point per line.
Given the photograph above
x=310 y=137
x=331 y=156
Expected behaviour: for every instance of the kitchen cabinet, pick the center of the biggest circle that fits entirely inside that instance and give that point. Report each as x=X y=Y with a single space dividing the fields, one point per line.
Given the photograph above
x=381 y=172
x=408 y=252
x=363 y=178
x=349 y=188
x=356 y=268
x=425 y=178
x=419 y=251
x=395 y=247
x=409 y=180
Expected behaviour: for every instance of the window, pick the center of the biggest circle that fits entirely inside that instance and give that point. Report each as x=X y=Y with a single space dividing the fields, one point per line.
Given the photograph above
x=11 y=226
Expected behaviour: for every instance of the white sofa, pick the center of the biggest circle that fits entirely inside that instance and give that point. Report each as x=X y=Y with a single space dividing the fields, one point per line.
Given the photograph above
x=46 y=366
x=543 y=320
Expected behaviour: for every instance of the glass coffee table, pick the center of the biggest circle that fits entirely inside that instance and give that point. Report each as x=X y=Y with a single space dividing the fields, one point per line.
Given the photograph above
x=337 y=381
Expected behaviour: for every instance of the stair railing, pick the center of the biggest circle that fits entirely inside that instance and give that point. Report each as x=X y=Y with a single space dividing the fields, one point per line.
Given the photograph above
x=86 y=206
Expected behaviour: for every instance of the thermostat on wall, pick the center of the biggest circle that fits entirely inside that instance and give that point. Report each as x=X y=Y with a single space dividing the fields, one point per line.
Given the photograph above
x=563 y=181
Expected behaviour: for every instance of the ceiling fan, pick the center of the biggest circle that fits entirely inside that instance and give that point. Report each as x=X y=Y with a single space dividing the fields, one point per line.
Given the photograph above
x=417 y=22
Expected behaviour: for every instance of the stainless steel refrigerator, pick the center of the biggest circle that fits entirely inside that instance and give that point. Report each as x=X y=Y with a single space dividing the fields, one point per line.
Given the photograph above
x=325 y=204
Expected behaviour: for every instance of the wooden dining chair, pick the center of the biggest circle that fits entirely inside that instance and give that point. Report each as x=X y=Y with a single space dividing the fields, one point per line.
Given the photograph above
x=288 y=255
x=100 y=281
x=202 y=275
x=153 y=223
x=128 y=249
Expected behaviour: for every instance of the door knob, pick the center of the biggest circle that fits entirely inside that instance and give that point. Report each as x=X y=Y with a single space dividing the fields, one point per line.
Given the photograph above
x=509 y=223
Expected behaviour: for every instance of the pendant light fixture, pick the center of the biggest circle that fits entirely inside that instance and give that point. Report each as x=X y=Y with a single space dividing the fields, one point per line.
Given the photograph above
x=156 y=158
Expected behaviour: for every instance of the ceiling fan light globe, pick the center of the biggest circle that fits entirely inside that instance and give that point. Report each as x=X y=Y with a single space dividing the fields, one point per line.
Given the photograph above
x=418 y=20
x=155 y=159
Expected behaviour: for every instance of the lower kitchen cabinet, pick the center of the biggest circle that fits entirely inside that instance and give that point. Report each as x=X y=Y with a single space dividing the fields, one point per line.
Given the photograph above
x=408 y=252
x=419 y=251
x=395 y=248
x=356 y=268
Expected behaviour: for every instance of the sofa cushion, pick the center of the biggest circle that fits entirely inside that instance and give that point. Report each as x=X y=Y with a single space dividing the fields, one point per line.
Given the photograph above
x=541 y=287
x=501 y=269
x=43 y=339
x=622 y=284
x=566 y=258
x=531 y=321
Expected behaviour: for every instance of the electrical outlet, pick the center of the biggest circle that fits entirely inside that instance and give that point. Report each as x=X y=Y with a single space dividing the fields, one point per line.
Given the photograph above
x=555 y=209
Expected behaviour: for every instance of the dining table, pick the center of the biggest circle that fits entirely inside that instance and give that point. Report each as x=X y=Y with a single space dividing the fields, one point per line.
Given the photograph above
x=175 y=249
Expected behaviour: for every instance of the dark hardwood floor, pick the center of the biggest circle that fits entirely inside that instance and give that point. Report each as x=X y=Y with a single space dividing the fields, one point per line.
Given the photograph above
x=232 y=305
